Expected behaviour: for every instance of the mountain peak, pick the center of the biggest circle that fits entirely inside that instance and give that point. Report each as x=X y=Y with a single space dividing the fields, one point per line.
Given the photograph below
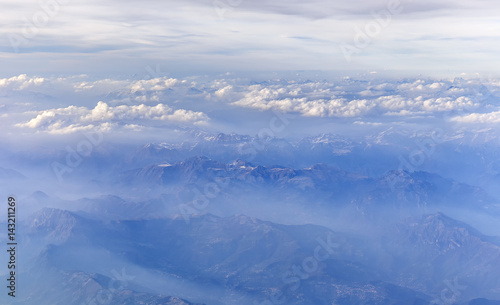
x=442 y=231
x=39 y=196
x=58 y=224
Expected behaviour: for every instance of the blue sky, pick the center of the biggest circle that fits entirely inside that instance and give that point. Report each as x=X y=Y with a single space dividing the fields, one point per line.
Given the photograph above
x=122 y=37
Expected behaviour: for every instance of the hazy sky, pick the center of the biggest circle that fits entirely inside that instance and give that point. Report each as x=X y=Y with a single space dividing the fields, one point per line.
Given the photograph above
x=122 y=37
x=140 y=68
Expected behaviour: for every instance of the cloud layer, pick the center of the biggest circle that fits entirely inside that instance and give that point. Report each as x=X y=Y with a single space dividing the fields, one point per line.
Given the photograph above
x=72 y=119
x=41 y=104
x=480 y=118
x=324 y=102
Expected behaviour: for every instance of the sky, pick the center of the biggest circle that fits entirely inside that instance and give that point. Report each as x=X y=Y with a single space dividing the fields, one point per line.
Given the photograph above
x=122 y=37
x=137 y=69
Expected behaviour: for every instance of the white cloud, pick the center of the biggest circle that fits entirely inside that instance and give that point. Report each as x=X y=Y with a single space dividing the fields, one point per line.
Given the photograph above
x=72 y=118
x=368 y=123
x=155 y=84
x=141 y=104
x=224 y=91
x=103 y=85
x=59 y=128
x=134 y=127
x=395 y=103
x=482 y=118
x=21 y=82
x=103 y=112
x=318 y=101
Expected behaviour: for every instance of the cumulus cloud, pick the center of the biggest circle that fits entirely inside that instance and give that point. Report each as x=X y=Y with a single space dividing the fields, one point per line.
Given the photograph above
x=224 y=91
x=103 y=116
x=155 y=84
x=103 y=112
x=136 y=104
x=325 y=100
x=141 y=90
x=21 y=82
x=481 y=118
x=421 y=104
